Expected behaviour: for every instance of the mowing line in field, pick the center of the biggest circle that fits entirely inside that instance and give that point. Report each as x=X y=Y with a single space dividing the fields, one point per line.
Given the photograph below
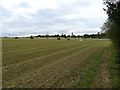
x=74 y=76
x=51 y=52
x=88 y=75
x=34 y=47
x=64 y=68
x=34 y=44
x=22 y=56
x=21 y=66
x=59 y=61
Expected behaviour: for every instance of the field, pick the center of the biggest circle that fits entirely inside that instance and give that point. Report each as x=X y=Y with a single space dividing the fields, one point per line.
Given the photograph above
x=51 y=63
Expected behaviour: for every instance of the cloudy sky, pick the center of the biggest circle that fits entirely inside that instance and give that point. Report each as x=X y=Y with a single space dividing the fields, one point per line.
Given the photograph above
x=33 y=17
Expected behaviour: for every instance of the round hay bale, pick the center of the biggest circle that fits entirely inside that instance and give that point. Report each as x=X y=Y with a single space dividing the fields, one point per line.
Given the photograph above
x=31 y=37
x=58 y=38
x=81 y=40
x=16 y=37
x=68 y=38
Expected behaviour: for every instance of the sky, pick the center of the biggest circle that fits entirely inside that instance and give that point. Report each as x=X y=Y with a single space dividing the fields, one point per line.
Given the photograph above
x=34 y=17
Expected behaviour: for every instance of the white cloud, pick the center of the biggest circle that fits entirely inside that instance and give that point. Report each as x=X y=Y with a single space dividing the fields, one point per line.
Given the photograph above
x=55 y=15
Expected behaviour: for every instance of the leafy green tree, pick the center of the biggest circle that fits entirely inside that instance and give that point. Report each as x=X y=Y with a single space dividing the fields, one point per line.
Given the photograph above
x=112 y=25
x=86 y=36
x=112 y=29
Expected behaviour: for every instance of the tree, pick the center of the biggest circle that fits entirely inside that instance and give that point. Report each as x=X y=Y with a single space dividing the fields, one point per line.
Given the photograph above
x=68 y=35
x=86 y=36
x=112 y=28
x=98 y=35
x=112 y=25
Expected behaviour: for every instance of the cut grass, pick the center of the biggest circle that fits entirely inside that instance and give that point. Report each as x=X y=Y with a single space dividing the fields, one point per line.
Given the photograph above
x=51 y=63
x=114 y=69
x=89 y=72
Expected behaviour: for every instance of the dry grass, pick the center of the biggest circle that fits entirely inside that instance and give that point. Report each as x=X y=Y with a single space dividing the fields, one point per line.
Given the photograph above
x=48 y=62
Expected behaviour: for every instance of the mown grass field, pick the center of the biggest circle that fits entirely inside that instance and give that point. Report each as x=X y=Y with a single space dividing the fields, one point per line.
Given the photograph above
x=51 y=63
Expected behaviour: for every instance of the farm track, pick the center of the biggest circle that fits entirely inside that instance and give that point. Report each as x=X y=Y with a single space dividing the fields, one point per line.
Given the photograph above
x=60 y=68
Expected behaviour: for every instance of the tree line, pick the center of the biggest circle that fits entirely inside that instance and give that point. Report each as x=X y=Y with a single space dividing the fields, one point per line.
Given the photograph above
x=112 y=25
x=112 y=28
x=98 y=35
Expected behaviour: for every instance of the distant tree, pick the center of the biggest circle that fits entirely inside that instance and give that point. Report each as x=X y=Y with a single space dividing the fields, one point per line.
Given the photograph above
x=104 y=35
x=72 y=34
x=92 y=36
x=98 y=35
x=78 y=36
x=62 y=35
x=56 y=35
x=86 y=36
x=47 y=36
x=38 y=36
x=68 y=35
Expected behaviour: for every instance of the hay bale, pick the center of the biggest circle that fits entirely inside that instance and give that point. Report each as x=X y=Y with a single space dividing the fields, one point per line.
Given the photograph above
x=81 y=40
x=58 y=38
x=16 y=37
x=68 y=38
x=31 y=37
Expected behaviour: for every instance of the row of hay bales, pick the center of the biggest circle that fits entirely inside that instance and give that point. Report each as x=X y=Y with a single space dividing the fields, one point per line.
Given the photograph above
x=81 y=40
x=33 y=38
x=57 y=38
x=60 y=38
x=29 y=37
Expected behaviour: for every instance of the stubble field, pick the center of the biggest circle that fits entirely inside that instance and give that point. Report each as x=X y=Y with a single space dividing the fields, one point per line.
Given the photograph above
x=51 y=63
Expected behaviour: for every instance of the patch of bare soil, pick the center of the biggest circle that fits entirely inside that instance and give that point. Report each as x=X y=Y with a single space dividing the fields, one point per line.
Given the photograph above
x=102 y=79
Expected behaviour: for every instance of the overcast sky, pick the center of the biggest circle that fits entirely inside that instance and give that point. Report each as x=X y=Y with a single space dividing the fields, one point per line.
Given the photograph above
x=31 y=17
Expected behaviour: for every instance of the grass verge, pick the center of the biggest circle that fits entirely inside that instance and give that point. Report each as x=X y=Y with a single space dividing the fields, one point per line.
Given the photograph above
x=114 y=68
x=89 y=72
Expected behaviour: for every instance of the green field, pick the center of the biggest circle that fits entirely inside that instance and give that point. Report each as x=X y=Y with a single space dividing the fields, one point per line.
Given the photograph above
x=52 y=63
